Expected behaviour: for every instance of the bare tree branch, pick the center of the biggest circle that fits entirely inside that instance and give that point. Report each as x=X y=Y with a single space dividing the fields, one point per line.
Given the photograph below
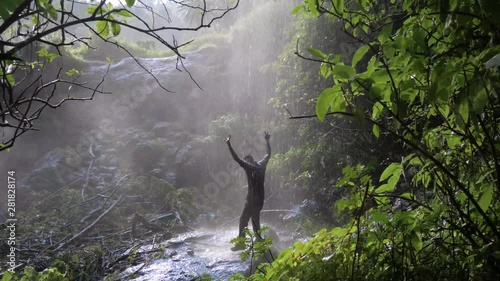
x=32 y=25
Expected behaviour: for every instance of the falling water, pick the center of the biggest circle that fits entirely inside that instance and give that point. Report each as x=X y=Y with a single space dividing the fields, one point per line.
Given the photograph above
x=173 y=109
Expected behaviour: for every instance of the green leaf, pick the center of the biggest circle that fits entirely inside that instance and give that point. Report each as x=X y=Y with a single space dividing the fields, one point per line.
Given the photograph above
x=44 y=53
x=124 y=13
x=416 y=242
x=130 y=3
x=407 y=195
x=359 y=54
x=485 y=200
x=390 y=170
x=313 y=7
x=317 y=53
x=326 y=70
x=376 y=130
x=7 y=276
x=102 y=28
x=453 y=5
x=73 y=72
x=385 y=33
x=90 y=10
x=298 y=9
x=341 y=71
x=10 y=79
x=115 y=28
x=453 y=141
x=378 y=216
x=339 y=232
x=402 y=43
x=463 y=109
x=480 y=100
x=386 y=187
x=339 y=6
x=325 y=100
x=377 y=110
x=51 y=11
x=380 y=76
x=343 y=204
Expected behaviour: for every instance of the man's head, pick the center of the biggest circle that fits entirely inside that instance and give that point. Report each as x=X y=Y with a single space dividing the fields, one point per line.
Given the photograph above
x=249 y=158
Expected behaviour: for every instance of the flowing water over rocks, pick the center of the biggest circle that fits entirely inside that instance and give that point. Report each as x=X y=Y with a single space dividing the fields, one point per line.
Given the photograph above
x=192 y=254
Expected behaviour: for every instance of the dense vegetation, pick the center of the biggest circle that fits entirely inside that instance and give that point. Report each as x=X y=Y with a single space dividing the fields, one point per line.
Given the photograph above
x=400 y=158
x=424 y=79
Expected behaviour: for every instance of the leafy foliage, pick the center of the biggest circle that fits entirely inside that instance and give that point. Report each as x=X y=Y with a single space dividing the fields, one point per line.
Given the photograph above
x=30 y=274
x=425 y=74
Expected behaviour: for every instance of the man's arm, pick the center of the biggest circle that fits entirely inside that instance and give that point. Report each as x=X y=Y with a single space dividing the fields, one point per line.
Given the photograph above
x=235 y=156
x=264 y=161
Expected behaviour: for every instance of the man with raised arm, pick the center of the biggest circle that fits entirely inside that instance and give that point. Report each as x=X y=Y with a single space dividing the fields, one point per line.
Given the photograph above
x=256 y=172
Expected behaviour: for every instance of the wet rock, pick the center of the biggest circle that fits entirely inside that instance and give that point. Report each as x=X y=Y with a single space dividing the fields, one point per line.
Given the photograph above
x=109 y=151
x=170 y=177
x=182 y=156
x=172 y=253
x=55 y=169
x=161 y=129
x=120 y=145
x=146 y=155
x=110 y=169
x=205 y=220
x=108 y=177
x=213 y=257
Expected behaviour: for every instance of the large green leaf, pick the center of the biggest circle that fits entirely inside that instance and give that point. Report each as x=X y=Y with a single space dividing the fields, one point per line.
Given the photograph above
x=359 y=54
x=376 y=130
x=102 y=28
x=51 y=11
x=317 y=53
x=7 y=276
x=453 y=140
x=385 y=33
x=339 y=232
x=325 y=100
x=341 y=71
x=386 y=187
x=485 y=200
x=377 y=110
x=378 y=216
x=313 y=7
x=115 y=28
x=339 y=6
x=480 y=100
x=10 y=79
x=298 y=9
x=390 y=170
x=90 y=10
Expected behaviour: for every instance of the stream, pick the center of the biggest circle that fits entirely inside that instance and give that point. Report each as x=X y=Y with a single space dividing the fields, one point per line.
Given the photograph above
x=191 y=254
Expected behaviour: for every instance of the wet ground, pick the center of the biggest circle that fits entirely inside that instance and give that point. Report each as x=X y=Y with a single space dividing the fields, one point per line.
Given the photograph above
x=190 y=255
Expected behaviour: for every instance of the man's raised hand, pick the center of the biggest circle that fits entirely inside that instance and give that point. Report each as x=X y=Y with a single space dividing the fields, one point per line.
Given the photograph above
x=228 y=139
x=267 y=135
